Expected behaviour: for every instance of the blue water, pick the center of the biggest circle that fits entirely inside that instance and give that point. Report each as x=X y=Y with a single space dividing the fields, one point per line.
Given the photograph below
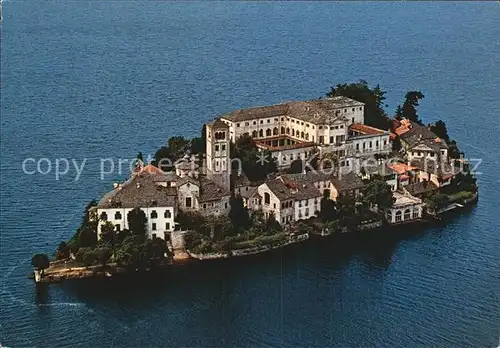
x=92 y=79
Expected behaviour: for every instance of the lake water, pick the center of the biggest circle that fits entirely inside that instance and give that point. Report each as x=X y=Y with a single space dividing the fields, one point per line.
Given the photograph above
x=92 y=79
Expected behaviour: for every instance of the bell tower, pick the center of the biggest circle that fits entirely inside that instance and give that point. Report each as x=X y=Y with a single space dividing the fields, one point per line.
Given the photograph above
x=218 y=156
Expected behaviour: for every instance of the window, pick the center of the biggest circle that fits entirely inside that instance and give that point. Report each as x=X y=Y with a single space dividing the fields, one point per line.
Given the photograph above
x=307 y=125
x=302 y=135
x=415 y=214
x=154 y=235
x=276 y=120
x=345 y=110
x=352 y=109
x=118 y=227
x=167 y=226
x=282 y=119
x=254 y=134
x=341 y=126
x=320 y=127
x=268 y=121
x=188 y=202
x=167 y=214
x=302 y=123
x=398 y=216
x=225 y=205
x=336 y=127
x=282 y=130
x=153 y=226
x=261 y=121
x=370 y=144
x=247 y=124
x=268 y=132
x=237 y=124
x=407 y=214
x=154 y=214
x=357 y=146
x=307 y=212
x=360 y=108
x=254 y=123
x=261 y=133
x=118 y=215
x=274 y=205
x=331 y=139
x=267 y=198
x=104 y=216
x=216 y=147
x=376 y=144
x=223 y=147
x=287 y=130
x=275 y=131
x=352 y=119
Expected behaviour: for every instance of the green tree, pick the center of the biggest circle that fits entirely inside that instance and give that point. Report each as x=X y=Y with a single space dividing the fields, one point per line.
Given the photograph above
x=239 y=214
x=378 y=193
x=439 y=128
x=398 y=115
x=296 y=167
x=89 y=258
x=198 y=144
x=250 y=156
x=412 y=99
x=328 y=211
x=108 y=233
x=86 y=233
x=40 y=262
x=137 y=222
x=347 y=211
x=272 y=225
x=438 y=202
x=373 y=98
x=103 y=255
x=62 y=251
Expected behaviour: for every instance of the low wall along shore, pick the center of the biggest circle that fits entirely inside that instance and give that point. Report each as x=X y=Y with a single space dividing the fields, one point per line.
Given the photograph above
x=250 y=251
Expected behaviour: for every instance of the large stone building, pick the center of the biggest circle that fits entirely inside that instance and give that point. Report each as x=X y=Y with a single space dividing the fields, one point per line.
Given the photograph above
x=298 y=129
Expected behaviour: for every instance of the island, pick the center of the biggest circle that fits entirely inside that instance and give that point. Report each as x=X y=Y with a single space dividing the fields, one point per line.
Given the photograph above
x=266 y=177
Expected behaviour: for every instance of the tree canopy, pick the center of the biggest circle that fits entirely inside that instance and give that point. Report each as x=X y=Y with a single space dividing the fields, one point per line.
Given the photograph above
x=409 y=109
x=373 y=98
x=137 y=222
x=378 y=193
x=256 y=164
x=40 y=262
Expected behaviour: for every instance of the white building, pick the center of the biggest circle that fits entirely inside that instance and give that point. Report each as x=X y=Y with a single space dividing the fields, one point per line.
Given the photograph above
x=158 y=203
x=405 y=209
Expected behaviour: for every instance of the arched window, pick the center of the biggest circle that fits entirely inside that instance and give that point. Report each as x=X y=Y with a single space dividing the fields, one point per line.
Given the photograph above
x=267 y=198
x=287 y=130
x=167 y=214
x=293 y=132
x=254 y=134
x=275 y=131
x=268 y=132
x=104 y=216
x=302 y=135
x=307 y=136
x=261 y=133
x=398 y=216
x=154 y=214
x=118 y=215
x=282 y=130
x=407 y=215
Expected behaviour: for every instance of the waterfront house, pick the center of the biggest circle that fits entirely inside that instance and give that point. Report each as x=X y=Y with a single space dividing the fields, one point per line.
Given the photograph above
x=158 y=203
x=406 y=208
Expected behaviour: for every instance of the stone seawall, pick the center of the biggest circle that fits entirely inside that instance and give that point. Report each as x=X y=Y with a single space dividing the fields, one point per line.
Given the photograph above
x=250 y=251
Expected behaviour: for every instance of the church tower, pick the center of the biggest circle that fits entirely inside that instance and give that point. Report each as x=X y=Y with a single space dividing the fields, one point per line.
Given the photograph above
x=218 y=156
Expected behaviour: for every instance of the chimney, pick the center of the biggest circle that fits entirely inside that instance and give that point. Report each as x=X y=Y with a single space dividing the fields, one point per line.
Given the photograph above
x=138 y=185
x=115 y=185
